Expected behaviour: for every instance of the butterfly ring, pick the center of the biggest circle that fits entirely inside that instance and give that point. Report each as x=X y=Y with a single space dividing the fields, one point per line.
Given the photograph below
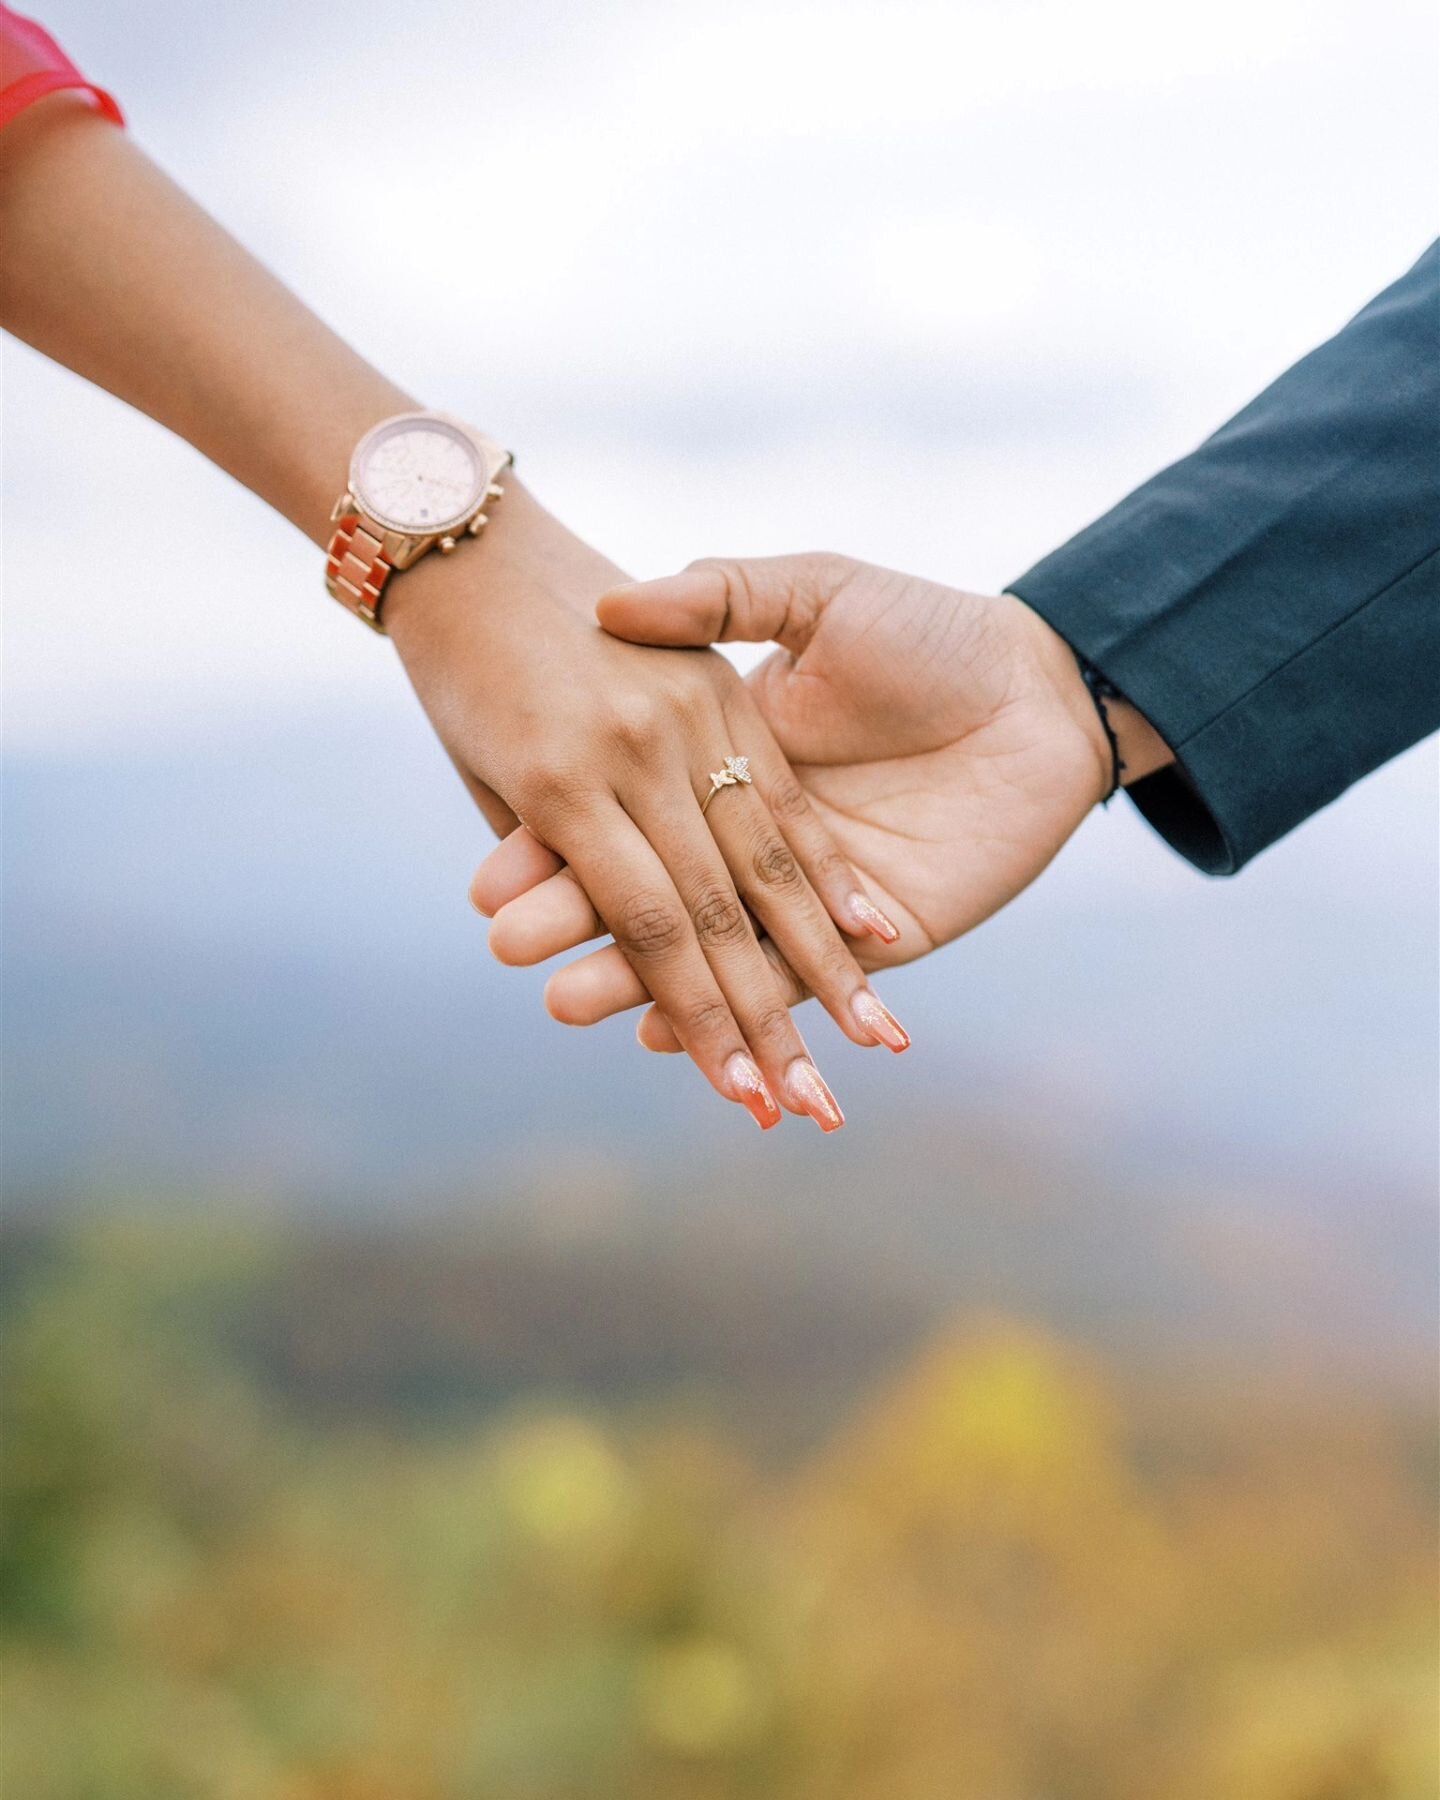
x=736 y=770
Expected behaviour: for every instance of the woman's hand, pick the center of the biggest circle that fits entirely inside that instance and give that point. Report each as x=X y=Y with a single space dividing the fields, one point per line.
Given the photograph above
x=945 y=739
x=601 y=747
x=604 y=749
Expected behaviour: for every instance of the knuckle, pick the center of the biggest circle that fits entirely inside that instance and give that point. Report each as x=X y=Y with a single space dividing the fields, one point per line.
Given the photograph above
x=828 y=569
x=636 y=720
x=831 y=866
x=788 y=800
x=739 y=595
x=719 y=917
x=775 y=866
x=708 y=1018
x=549 y=793
x=739 y=587
x=769 y=1023
x=648 y=926
x=828 y=870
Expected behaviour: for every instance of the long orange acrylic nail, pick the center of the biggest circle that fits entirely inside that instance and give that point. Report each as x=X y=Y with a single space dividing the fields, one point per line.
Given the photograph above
x=745 y=1083
x=865 y=915
x=805 y=1089
x=871 y=1014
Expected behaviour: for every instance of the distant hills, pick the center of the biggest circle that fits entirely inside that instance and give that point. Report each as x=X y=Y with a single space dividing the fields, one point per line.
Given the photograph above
x=242 y=970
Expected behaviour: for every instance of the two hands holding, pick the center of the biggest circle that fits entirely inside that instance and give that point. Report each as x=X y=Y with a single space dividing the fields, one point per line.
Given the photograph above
x=916 y=754
x=913 y=755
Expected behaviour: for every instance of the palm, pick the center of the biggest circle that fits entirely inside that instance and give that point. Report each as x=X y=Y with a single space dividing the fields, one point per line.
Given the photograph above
x=984 y=774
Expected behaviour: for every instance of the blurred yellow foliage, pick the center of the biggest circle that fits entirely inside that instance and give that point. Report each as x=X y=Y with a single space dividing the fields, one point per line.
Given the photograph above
x=563 y=1484
x=698 y=1696
x=1015 y=1573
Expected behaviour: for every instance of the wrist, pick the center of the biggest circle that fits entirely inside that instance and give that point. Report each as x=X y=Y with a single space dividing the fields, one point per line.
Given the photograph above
x=494 y=611
x=1141 y=748
x=302 y=451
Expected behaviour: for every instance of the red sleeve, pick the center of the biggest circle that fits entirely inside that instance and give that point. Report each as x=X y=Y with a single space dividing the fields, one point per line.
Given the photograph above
x=32 y=65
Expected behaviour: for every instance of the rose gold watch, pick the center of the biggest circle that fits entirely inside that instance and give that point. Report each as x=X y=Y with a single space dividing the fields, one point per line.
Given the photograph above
x=416 y=480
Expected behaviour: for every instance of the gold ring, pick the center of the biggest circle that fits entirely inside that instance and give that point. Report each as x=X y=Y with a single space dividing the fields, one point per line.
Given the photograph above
x=736 y=770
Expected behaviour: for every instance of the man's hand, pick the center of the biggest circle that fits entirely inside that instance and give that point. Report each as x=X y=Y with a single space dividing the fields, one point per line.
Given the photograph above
x=946 y=739
x=601 y=746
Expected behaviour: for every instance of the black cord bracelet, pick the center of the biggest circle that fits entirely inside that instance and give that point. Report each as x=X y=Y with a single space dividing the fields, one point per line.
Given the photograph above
x=1101 y=688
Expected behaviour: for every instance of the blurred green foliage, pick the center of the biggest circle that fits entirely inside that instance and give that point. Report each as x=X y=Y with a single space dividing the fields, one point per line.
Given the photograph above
x=1012 y=1572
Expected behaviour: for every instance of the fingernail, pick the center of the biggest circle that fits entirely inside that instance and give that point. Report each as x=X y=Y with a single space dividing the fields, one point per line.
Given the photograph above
x=872 y=1015
x=865 y=915
x=745 y=1083
x=806 y=1089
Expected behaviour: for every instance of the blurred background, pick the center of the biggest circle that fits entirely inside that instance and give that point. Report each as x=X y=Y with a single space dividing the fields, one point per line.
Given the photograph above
x=411 y=1400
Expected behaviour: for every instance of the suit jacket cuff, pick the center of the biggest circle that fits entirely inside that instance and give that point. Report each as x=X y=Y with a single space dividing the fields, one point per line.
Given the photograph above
x=1271 y=603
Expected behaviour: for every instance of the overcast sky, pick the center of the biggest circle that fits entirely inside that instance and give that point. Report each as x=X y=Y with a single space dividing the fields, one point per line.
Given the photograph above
x=931 y=284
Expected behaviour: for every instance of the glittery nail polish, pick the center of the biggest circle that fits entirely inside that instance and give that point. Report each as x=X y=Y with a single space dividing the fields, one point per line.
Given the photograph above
x=872 y=1015
x=805 y=1088
x=745 y=1083
x=865 y=915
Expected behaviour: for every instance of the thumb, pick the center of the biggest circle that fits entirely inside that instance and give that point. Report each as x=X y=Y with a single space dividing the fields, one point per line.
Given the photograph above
x=756 y=600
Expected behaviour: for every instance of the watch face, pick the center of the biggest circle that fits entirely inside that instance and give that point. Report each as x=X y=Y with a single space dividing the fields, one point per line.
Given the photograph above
x=418 y=475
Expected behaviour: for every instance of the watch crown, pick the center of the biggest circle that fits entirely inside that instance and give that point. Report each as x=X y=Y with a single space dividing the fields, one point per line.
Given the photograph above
x=494 y=491
x=447 y=544
x=478 y=523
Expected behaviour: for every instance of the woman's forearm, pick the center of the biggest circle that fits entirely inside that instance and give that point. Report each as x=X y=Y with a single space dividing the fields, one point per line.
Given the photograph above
x=112 y=270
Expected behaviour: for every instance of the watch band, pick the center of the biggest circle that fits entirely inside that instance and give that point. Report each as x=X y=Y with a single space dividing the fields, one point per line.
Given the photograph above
x=356 y=569
x=363 y=553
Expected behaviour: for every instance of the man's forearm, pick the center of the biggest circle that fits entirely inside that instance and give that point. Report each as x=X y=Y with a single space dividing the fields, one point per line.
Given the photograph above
x=1272 y=600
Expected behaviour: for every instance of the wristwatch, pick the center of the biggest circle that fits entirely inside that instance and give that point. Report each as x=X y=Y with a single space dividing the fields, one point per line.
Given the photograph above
x=416 y=480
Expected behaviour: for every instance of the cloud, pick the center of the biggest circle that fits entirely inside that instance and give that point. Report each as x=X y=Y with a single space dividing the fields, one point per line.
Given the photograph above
x=929 y=285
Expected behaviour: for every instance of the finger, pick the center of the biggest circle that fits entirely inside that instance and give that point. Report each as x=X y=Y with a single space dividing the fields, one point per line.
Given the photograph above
x=671 y=821
x=829 y=873
x=754 y=601
x=602 y=983
x=638 y=901
x=516 y=864
x=555 y=916
x=654 y=1032
x=772 y=884
x=595 y=987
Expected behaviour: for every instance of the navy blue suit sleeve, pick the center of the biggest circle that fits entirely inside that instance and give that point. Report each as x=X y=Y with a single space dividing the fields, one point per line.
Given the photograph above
x=1271 y=603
